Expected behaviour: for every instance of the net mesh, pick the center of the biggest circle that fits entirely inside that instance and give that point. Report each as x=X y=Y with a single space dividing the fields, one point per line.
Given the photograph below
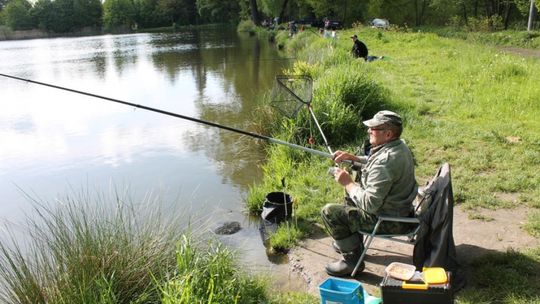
x=291 y=93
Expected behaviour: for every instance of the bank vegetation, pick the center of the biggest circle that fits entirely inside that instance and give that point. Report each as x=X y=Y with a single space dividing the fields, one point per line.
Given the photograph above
x=107 y=248
x=469 y=104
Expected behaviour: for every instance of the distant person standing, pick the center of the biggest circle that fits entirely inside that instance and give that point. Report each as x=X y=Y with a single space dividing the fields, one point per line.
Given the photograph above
x=359 y=49
x=326 y=27
x=276 y=22
x=292 y=28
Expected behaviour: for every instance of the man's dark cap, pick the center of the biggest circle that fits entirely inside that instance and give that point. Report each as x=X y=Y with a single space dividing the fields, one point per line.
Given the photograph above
x=384 y=117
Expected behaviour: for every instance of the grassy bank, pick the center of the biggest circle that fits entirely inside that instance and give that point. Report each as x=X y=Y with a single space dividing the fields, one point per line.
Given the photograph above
x=108 y=249
x=463 y=103
x=521 y=39
x=466 y=104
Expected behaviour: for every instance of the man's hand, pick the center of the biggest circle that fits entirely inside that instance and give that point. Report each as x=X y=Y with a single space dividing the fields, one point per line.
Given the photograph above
x=340 y=156
x=342 y=177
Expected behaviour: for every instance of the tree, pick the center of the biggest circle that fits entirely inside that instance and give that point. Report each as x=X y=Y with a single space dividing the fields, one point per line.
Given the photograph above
x=43 y=14
x=348 y=11
x=17 y=14
x=272 y=7
x=254 y=12
x=531 y=17
x=3 y=4
x=87 y=13
x=212 y=11
x=118 y=14
x=177 y=11
x=147 y=15
x=63 y=16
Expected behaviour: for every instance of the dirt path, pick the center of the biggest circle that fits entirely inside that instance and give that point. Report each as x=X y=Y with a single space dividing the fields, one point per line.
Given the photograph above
x=473 y=238
x=521 y=51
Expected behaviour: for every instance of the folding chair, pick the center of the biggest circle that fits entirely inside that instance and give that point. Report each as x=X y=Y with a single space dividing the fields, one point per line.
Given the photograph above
x=423 y=202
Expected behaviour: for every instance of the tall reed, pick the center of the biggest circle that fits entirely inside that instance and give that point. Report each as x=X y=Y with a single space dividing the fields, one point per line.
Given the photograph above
x=89 y=249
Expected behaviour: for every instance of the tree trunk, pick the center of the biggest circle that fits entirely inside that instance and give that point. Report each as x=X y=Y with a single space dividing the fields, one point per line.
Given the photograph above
x=475 y=8
x=416 y=20
x=465 y=13
x=531 y=17
x=489 y=12
x=507 y=15
x=283 y=7
x=254 y=12
x=344 y=18
x=424 y=5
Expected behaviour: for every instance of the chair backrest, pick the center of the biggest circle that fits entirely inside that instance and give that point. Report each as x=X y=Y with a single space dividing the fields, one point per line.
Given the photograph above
x=427 y=193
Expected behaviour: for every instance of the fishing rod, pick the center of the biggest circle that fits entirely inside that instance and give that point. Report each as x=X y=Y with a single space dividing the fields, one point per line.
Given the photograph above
x=208 y=123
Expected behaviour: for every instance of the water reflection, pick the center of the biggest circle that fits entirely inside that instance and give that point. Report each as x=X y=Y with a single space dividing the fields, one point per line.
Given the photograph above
x=51 y=139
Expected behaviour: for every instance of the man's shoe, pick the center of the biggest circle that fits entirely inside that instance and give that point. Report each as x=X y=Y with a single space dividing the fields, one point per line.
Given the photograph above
x=335 y=247
x=343 y=269
x=351 y=249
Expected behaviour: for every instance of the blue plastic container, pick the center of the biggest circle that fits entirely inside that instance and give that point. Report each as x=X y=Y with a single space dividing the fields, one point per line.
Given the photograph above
x=337 y=291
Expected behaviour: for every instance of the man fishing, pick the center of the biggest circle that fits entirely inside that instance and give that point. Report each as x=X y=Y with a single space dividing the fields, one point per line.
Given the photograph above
x=359 y=49
x=386 y=186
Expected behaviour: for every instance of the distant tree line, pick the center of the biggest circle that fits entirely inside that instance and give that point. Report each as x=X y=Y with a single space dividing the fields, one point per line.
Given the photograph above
x=62 y=16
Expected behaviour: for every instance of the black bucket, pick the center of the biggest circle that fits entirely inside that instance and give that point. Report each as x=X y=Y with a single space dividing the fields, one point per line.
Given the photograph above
x=274 y=207
x=266 y=229
x=274 y=213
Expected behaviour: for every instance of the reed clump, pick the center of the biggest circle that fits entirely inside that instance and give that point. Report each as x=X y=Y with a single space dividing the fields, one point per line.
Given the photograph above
x=109 y=249
x=209 y=276
x=85 y=249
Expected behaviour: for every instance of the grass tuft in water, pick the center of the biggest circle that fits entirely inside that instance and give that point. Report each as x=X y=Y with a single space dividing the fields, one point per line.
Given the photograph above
x=109 y=249
x=88 y=249
x=210 y=276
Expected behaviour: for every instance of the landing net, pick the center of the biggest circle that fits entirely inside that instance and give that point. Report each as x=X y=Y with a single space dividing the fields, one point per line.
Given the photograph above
x=291 y=93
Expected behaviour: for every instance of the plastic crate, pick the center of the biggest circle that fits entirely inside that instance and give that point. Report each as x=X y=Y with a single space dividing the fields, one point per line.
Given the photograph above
x=337 y=291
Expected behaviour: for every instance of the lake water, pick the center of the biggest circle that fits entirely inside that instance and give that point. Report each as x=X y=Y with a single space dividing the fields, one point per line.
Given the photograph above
x=54 y=142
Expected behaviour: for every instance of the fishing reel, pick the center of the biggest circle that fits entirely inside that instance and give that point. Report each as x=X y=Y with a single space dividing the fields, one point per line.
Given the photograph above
x=344 y=166
x=332 y=171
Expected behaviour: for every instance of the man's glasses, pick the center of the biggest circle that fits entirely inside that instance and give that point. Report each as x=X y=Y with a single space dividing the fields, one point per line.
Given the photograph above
x=378 y=129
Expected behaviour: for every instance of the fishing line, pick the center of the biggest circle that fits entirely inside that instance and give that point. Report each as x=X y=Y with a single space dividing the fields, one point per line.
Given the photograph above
x=208 y=123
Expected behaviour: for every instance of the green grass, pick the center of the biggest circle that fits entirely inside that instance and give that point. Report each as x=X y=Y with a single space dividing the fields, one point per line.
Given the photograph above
x=465 y=103
x=510 y=278
x=506 y=38
x=477 y=110
x=87 y=248
x=209 y=276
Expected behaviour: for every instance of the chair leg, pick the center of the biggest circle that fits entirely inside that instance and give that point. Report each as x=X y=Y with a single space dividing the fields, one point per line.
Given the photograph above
x=367 y=243
x=361 y=259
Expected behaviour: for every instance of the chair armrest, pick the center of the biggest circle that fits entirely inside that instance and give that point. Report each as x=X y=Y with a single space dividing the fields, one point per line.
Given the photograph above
x=399 y=219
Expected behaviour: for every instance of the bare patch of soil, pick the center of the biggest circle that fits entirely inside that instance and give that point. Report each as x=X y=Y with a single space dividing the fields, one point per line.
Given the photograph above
x=473 y=238
x=521 y=51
